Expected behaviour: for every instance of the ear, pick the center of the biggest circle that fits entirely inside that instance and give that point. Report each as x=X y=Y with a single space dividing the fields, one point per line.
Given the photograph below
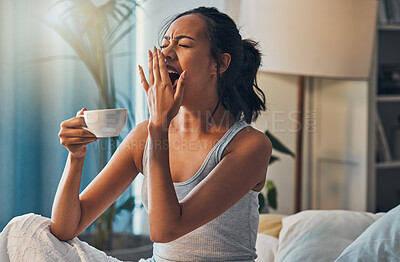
x=225 y=60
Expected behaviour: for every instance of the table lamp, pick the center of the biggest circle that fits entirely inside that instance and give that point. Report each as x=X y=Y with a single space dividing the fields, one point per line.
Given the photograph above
x=312 y=38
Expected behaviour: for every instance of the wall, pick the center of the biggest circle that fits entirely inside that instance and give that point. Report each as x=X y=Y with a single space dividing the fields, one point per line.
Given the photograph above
x=339 y=152
x=335 y=141
x=280 y=92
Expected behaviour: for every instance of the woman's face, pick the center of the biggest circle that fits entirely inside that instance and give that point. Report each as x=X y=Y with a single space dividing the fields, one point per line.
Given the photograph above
x=186 y=47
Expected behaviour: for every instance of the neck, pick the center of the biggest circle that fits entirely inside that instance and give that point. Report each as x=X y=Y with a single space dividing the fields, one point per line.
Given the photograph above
x=207 y=120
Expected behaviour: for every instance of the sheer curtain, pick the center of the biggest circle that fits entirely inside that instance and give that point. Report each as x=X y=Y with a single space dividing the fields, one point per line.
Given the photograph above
x=41 y=84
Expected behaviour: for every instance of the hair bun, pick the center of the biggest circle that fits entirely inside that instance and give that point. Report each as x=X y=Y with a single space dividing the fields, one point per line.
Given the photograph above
x=251 y=55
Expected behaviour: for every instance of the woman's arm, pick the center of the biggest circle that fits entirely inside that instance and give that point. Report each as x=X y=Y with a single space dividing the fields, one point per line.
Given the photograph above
x=72 y=213
x=163 y=205
x=66 y=211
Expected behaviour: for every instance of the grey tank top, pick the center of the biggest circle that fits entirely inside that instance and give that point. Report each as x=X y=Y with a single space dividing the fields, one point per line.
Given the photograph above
x=229 y=237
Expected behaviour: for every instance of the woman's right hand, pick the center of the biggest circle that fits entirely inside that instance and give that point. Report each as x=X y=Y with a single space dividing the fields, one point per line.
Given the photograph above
x=74 y=137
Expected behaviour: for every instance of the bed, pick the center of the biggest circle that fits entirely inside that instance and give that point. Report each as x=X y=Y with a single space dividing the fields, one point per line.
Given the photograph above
x=329 y=235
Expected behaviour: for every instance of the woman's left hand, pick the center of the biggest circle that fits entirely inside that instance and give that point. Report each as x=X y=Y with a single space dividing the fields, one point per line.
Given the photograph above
x=163 y=101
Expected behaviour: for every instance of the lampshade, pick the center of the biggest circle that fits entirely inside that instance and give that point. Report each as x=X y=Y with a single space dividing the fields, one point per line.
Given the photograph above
x=321 y=38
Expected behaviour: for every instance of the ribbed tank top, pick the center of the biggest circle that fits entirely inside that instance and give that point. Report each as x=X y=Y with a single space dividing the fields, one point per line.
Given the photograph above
x=229 y=237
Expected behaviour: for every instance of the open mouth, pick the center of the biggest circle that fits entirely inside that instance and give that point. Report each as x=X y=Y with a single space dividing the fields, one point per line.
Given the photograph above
x=174 y=76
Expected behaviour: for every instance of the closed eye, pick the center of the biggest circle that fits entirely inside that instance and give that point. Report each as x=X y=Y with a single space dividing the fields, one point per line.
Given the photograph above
x=164 y=46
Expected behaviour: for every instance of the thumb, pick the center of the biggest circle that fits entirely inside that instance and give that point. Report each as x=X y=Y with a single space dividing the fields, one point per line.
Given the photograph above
x=80 y=112
x=180 y=86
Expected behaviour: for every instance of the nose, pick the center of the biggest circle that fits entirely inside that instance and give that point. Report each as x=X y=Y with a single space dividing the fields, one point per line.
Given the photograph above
x=169 y=53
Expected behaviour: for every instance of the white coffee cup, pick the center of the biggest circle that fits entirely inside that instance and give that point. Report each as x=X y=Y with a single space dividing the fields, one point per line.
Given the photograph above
x=105 y=122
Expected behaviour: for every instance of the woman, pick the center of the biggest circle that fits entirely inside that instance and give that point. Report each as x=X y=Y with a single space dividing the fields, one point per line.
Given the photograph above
x=204 y=165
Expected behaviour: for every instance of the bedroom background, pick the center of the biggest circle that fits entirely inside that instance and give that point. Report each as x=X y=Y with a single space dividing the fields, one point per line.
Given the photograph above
x=37 y=94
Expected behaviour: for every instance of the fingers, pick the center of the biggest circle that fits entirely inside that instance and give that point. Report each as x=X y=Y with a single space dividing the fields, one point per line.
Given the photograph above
x=156 y=68
x=74 y=137
x=163 y=68
x=75 y=122
x=77 y=141
x=143 y=79
x=180 y=87
x=73 y=132
x=151 y=75
x=72 y=128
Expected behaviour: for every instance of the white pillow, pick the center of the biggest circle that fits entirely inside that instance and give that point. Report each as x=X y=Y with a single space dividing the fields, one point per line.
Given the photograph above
x=266 y=247
x=380 y=242
x=318 y=235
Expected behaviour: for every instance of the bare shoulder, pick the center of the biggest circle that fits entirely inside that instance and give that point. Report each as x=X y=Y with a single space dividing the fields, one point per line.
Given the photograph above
x=253 y=149
x=251 y=141
x=136 y=141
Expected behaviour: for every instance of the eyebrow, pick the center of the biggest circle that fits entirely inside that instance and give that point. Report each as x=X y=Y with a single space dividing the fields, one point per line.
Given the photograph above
x=179 y=37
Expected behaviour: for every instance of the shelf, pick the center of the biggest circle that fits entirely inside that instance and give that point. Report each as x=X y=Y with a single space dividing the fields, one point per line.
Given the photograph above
x=389 y=27
x=388 y=164
x=388 y=98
